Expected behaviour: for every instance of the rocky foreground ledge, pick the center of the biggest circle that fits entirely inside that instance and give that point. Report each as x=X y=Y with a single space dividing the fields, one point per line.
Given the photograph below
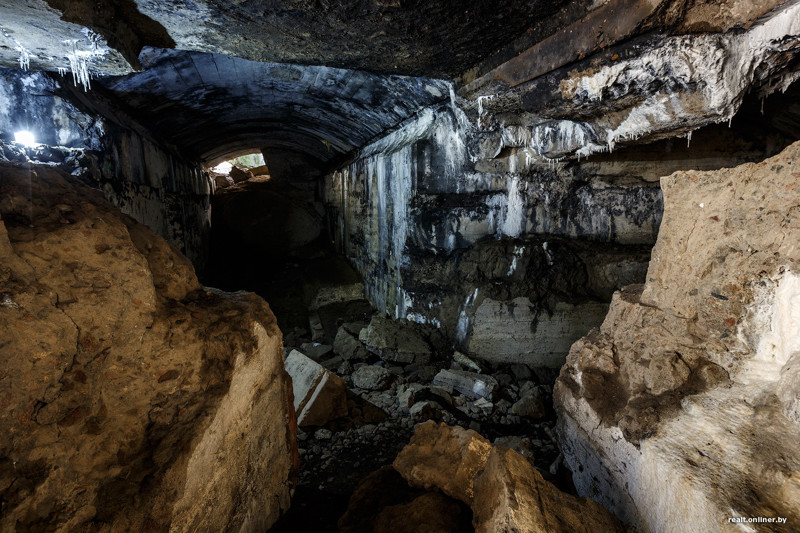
x=132 y=399
x=447 y=475
x=683 y=410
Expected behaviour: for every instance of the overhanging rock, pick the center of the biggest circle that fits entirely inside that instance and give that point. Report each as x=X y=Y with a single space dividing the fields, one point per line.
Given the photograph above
x=682 y=409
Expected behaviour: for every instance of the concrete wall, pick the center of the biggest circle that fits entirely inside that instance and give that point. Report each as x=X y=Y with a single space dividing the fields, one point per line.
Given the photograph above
x=139 y=174
x=441 y=224
x=170 y=195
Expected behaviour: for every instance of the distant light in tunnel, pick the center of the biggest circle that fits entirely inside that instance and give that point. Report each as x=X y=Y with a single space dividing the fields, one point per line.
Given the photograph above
x=223 y=168
x=25 y=138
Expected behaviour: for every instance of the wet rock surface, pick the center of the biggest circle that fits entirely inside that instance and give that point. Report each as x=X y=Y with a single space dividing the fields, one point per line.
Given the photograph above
x=133 y=398
x=666 y=411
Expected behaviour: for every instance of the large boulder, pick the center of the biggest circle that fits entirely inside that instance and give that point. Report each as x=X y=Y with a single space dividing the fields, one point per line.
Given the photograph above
x=682 y=409
x=397 y=341
x=319 y=395
x=505 y=492
x=347 y=345
x=511 y=496
x=444 y=458
x=132 y=399
x=385 y=503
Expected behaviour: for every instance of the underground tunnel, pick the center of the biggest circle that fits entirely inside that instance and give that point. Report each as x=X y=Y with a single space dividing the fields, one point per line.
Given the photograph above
x=380 y=266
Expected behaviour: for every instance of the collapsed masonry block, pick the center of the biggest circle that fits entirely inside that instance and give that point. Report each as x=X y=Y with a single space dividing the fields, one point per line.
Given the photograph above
x=319 y=394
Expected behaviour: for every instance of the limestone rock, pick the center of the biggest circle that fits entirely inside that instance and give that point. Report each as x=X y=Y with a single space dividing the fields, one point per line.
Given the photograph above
x=395 y=340
x=371 y=377
x=431 y=511
x=132 y=400
x=384 y=502
x=467 y=383
x=663 y=415
x=222 y=181
x=466 y=362
x=239 y=175
x=316 y=351
x=426 y=410
x=511 y=496
x=347 y=345
x=444 y=458
x=337 y=294
x=521 y=445
x=506 y=493
x=530 y=406
x=405 y=400
x=319 y=394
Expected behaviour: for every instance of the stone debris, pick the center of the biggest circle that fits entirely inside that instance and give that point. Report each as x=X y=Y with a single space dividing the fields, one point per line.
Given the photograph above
x=392 y=391
x=371 y=377
x=239 y=175
x=505 y=492
x=316 y=351
x=347 y=345
x=530 y=406
x=323 y=434
x=467 y=363
x=337 y=294
x=468 y=383
x=396 y=341
x=319 y=395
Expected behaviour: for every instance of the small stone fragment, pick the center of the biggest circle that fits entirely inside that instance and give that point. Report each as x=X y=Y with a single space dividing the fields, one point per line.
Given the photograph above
x=315 y=350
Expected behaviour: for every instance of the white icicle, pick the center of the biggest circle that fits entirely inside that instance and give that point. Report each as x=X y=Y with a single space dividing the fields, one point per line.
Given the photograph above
x=24 y=59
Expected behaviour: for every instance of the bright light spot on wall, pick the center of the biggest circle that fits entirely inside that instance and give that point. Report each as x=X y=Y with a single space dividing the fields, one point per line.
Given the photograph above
x=25 y=138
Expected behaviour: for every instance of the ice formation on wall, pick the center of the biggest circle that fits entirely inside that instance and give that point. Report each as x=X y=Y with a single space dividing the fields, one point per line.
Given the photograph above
x=462 y=327
x=515 y=208
x=717 y=68
x=80 y=60
x=24 y=54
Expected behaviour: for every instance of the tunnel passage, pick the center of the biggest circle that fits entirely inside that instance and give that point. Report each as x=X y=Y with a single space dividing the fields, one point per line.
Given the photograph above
x=562 y=227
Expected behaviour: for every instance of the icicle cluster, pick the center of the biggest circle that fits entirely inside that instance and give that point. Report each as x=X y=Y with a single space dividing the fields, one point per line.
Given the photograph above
x=24 y=54
x=79 y=65
x=24 y=58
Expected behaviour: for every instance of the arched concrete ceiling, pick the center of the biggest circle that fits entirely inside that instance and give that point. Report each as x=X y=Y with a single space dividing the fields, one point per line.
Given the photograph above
x=411 y=37
x=210 y=105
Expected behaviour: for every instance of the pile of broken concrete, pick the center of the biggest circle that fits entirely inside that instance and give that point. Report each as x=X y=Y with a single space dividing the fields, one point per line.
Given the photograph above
x=364 y=393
